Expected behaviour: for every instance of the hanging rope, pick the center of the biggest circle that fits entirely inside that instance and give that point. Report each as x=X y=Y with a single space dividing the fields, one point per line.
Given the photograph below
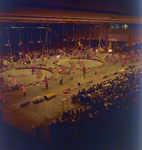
x=50 y=42
x=63 y=36
x=40 y=36
x=31 y=36
x=27 y=41
x=99 y=45
x=66 y=32
x=40 y=41
x=93 y=32
x=63 y=45
x=56 y=36
x=45 y=40
x=23 y=56
x=9 y=44
x=73 y=34
x=84 y=32
x=20 y=37
x=89 y=34
x=6 y=63
x=32 y=42
x=110 y=43
x=79 y=32
x=76 y=36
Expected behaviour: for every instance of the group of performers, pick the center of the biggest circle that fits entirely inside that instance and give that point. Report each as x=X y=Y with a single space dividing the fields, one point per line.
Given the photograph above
x=6 y=62
x=42 y=57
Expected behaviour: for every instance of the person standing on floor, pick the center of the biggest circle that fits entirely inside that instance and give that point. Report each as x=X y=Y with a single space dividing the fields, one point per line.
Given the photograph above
x=122 y=62
x=24 y=89
x=46 y=82
x=71 y=75
x=131 y=58
x=95 y=70
x=61 y=78
x=84 y=71
x=33 y=69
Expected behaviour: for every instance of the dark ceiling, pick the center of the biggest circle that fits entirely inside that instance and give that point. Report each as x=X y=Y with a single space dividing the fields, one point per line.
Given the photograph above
x=71 y=11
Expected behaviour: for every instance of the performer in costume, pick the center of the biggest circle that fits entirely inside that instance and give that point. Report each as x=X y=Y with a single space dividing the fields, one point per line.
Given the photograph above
x=24 y=89
x=78 y=59
x=28 y=59
x=131 y=58
x=33 y=70
x=71 y=75
x=122 y=62
x=20 y=55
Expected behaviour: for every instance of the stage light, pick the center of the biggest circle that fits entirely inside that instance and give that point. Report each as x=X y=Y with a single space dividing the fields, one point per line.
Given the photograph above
x=110 y=50
x=58 y=56
x=15 y=27
x=41 y=27
x=125 y=26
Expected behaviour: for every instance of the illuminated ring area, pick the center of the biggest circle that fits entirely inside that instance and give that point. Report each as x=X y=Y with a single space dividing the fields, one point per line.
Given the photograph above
x=25 y=74
x=89 y=63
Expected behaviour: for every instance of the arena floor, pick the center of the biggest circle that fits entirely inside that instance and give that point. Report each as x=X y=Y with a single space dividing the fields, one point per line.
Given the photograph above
x=33 y=115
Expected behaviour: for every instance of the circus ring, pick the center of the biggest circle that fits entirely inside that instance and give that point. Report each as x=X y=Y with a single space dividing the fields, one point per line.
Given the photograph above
x=88 y=63
x=25 y=75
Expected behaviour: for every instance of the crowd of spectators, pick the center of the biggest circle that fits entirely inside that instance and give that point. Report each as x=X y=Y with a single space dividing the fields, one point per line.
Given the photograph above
x=15 y=55
x=105 y=118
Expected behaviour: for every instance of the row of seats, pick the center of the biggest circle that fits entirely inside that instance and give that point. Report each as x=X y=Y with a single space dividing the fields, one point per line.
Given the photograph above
x=108 y=109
